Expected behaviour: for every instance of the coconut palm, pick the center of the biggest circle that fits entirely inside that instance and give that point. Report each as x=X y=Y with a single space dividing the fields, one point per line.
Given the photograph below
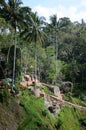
x=14 y=14
x=54 y=30
x=34 y=33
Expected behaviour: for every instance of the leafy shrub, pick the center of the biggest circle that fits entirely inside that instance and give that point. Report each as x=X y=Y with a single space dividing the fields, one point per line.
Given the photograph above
x=38 y=117
x=67 y=120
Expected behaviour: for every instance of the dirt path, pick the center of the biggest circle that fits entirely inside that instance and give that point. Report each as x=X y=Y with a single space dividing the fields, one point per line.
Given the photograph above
x=67 y=103
x=59 y=98
x=63 y=101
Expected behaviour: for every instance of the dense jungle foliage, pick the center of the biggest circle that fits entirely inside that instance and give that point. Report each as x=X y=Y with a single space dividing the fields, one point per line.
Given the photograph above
x=53 y=52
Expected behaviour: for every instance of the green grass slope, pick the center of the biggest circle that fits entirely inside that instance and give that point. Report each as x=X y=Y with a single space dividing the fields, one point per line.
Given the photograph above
x=38 y=116
x=26 y=112
x=68 y=120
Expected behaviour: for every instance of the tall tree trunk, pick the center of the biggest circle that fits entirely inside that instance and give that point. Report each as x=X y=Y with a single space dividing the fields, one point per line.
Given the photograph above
x=26 y=64
x=35 y=62
x=7 y=66
x=14 y=60
x=56 y=55
x=56 y=50
x=8 y=55
x=21 y=60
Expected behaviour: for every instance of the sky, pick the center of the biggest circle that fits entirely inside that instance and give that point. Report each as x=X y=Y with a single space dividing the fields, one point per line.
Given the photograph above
x=73 y=9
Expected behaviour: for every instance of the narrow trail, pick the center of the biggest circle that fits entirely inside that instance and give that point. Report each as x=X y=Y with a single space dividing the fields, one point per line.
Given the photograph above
x=63 y=102
x=58 y=98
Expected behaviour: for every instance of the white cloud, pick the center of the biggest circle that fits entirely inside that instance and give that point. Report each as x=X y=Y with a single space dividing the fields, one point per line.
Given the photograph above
x=44 y=11
x=72 y=12
x=83 y=3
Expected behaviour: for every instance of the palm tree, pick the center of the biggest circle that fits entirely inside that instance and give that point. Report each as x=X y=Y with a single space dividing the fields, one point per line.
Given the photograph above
x=34 y=33
x=54 y=30
x=14 y=14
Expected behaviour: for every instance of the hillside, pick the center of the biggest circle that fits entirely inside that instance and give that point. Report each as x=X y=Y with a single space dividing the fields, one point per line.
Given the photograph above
x=25 y=111
x=42 y=70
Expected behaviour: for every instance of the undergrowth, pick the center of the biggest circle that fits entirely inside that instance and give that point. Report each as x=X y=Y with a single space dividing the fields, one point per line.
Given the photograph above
x=68 y=120
x=38 y=116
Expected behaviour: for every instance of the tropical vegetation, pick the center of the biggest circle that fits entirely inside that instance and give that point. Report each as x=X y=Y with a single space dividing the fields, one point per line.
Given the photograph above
x=53 y=52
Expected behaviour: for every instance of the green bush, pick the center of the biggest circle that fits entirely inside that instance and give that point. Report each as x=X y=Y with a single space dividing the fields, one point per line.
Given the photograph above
x=38 y=117
x=67 y=120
